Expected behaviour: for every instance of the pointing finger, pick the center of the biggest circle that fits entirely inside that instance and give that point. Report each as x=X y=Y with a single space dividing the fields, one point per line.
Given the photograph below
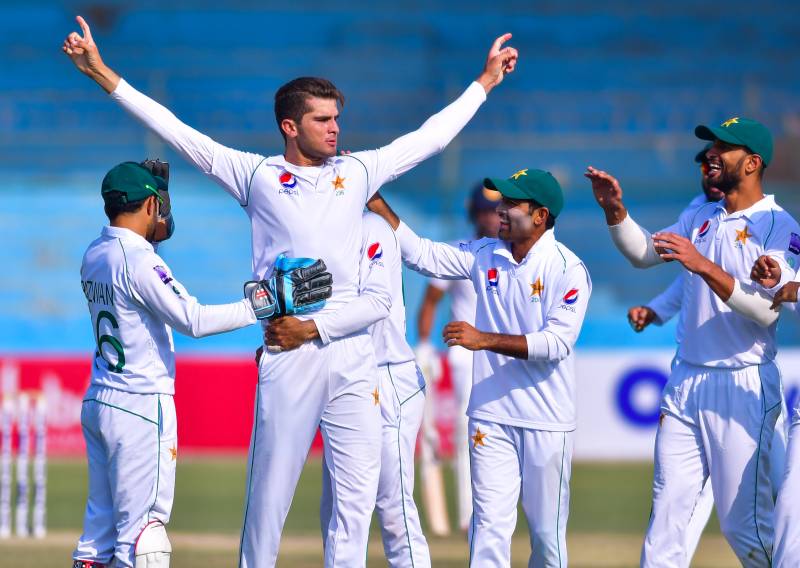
x=499 y=42
x=87 y=33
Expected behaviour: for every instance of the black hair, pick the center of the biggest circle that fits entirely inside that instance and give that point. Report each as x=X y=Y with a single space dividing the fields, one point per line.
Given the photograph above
x=116 y=205
x=291 y=100
x=551 y=219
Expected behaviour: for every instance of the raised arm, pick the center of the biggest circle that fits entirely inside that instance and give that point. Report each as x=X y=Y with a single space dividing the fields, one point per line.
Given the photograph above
x=159 y=292
x=230 y=168
x=393 y=160
x=634 y=242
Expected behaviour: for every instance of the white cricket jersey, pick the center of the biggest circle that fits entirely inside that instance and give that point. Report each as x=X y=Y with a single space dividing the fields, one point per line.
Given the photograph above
x=313 y=212
x=133 y=302
x=544 y=297
x=381 y=261
x=713 y=334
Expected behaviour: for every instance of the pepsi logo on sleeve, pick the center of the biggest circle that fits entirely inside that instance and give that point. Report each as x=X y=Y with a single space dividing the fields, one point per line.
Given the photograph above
x=375 y=254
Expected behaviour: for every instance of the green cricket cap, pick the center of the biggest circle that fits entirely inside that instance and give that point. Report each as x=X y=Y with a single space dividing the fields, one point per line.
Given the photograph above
x=529 y=183
x=133 y=181
x=742 y=132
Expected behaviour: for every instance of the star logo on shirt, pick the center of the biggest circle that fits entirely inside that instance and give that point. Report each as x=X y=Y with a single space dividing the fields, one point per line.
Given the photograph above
x=173 y=451
x=477 y=439
x=727 y=123
x=537 y=288
x=519 y=174
x=742 y=236
x=376 y=395
x=338 y=184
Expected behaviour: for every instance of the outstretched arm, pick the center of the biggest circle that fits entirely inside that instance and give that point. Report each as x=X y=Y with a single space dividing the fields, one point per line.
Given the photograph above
x=157 y=290
x=230 y=168
x=633 y=241
x=440 y=260
x=389 y=162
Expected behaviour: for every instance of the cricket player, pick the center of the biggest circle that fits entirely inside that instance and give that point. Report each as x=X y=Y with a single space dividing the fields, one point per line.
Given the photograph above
x=481 y=209
x=660 y=310
x=308 y=202
x=401 y=396
x=128 y=415
x=532 y=298
x=723 y=397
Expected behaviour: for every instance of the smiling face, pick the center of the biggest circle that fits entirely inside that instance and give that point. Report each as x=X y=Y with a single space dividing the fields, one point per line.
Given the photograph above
x=520 y=220
x=728 y=165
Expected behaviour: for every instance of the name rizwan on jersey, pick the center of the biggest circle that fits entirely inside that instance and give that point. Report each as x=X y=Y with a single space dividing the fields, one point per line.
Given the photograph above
x=98 y=292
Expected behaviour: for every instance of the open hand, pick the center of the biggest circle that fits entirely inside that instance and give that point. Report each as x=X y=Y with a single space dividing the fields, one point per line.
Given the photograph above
x=787 y=293
x=500 y=62
x=607 y=193
x=681 y=249
x=640 y=317
x=766 y=271
x=463 y=334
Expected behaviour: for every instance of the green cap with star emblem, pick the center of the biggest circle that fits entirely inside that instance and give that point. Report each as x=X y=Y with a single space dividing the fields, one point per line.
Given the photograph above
x=529 y=183
x=741 y=132
x=129 y=182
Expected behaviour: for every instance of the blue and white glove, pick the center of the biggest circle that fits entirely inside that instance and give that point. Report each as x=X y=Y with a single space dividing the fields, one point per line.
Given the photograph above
x=297 y=286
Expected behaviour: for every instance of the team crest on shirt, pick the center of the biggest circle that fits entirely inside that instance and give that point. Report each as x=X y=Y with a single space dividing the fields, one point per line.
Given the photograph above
x=704 y=228
x=570 y=298
x=338 y=185
x=537 y=288
x=375 y=254
x=288 y=184
x=163 y=274
x=492 y=277
x=741 y=237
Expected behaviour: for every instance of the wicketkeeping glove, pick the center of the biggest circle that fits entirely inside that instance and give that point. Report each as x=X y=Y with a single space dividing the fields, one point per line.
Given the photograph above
x=297 y=286
x=160 y=171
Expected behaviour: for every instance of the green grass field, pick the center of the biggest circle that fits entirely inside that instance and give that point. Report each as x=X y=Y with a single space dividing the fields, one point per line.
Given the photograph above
x=610 y=506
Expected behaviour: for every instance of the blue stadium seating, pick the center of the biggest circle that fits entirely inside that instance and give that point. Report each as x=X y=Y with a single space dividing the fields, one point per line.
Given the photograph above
x=615 y=84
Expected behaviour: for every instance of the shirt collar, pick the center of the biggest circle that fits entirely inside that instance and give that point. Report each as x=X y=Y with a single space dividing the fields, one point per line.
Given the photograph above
x=309 y=173
x=544 y=244
x=766 y=203
x=125 y=235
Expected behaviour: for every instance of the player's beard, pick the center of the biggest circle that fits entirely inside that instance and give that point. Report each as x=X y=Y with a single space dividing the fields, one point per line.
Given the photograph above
x=729 y=178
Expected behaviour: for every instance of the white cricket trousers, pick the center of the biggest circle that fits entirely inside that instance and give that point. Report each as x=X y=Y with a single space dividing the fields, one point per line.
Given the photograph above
x=787 y=508
x=335 y=388
x=705 y=501
x=131 y=446
x=402 y=400
x=508 y=462
x=716 y=423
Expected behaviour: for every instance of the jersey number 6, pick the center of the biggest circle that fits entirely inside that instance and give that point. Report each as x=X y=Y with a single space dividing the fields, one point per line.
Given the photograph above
x=110 y=339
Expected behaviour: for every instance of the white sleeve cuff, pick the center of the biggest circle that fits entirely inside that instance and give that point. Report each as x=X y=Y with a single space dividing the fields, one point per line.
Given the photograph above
x=538 y=347
x=749 y=303
x=634 y=243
